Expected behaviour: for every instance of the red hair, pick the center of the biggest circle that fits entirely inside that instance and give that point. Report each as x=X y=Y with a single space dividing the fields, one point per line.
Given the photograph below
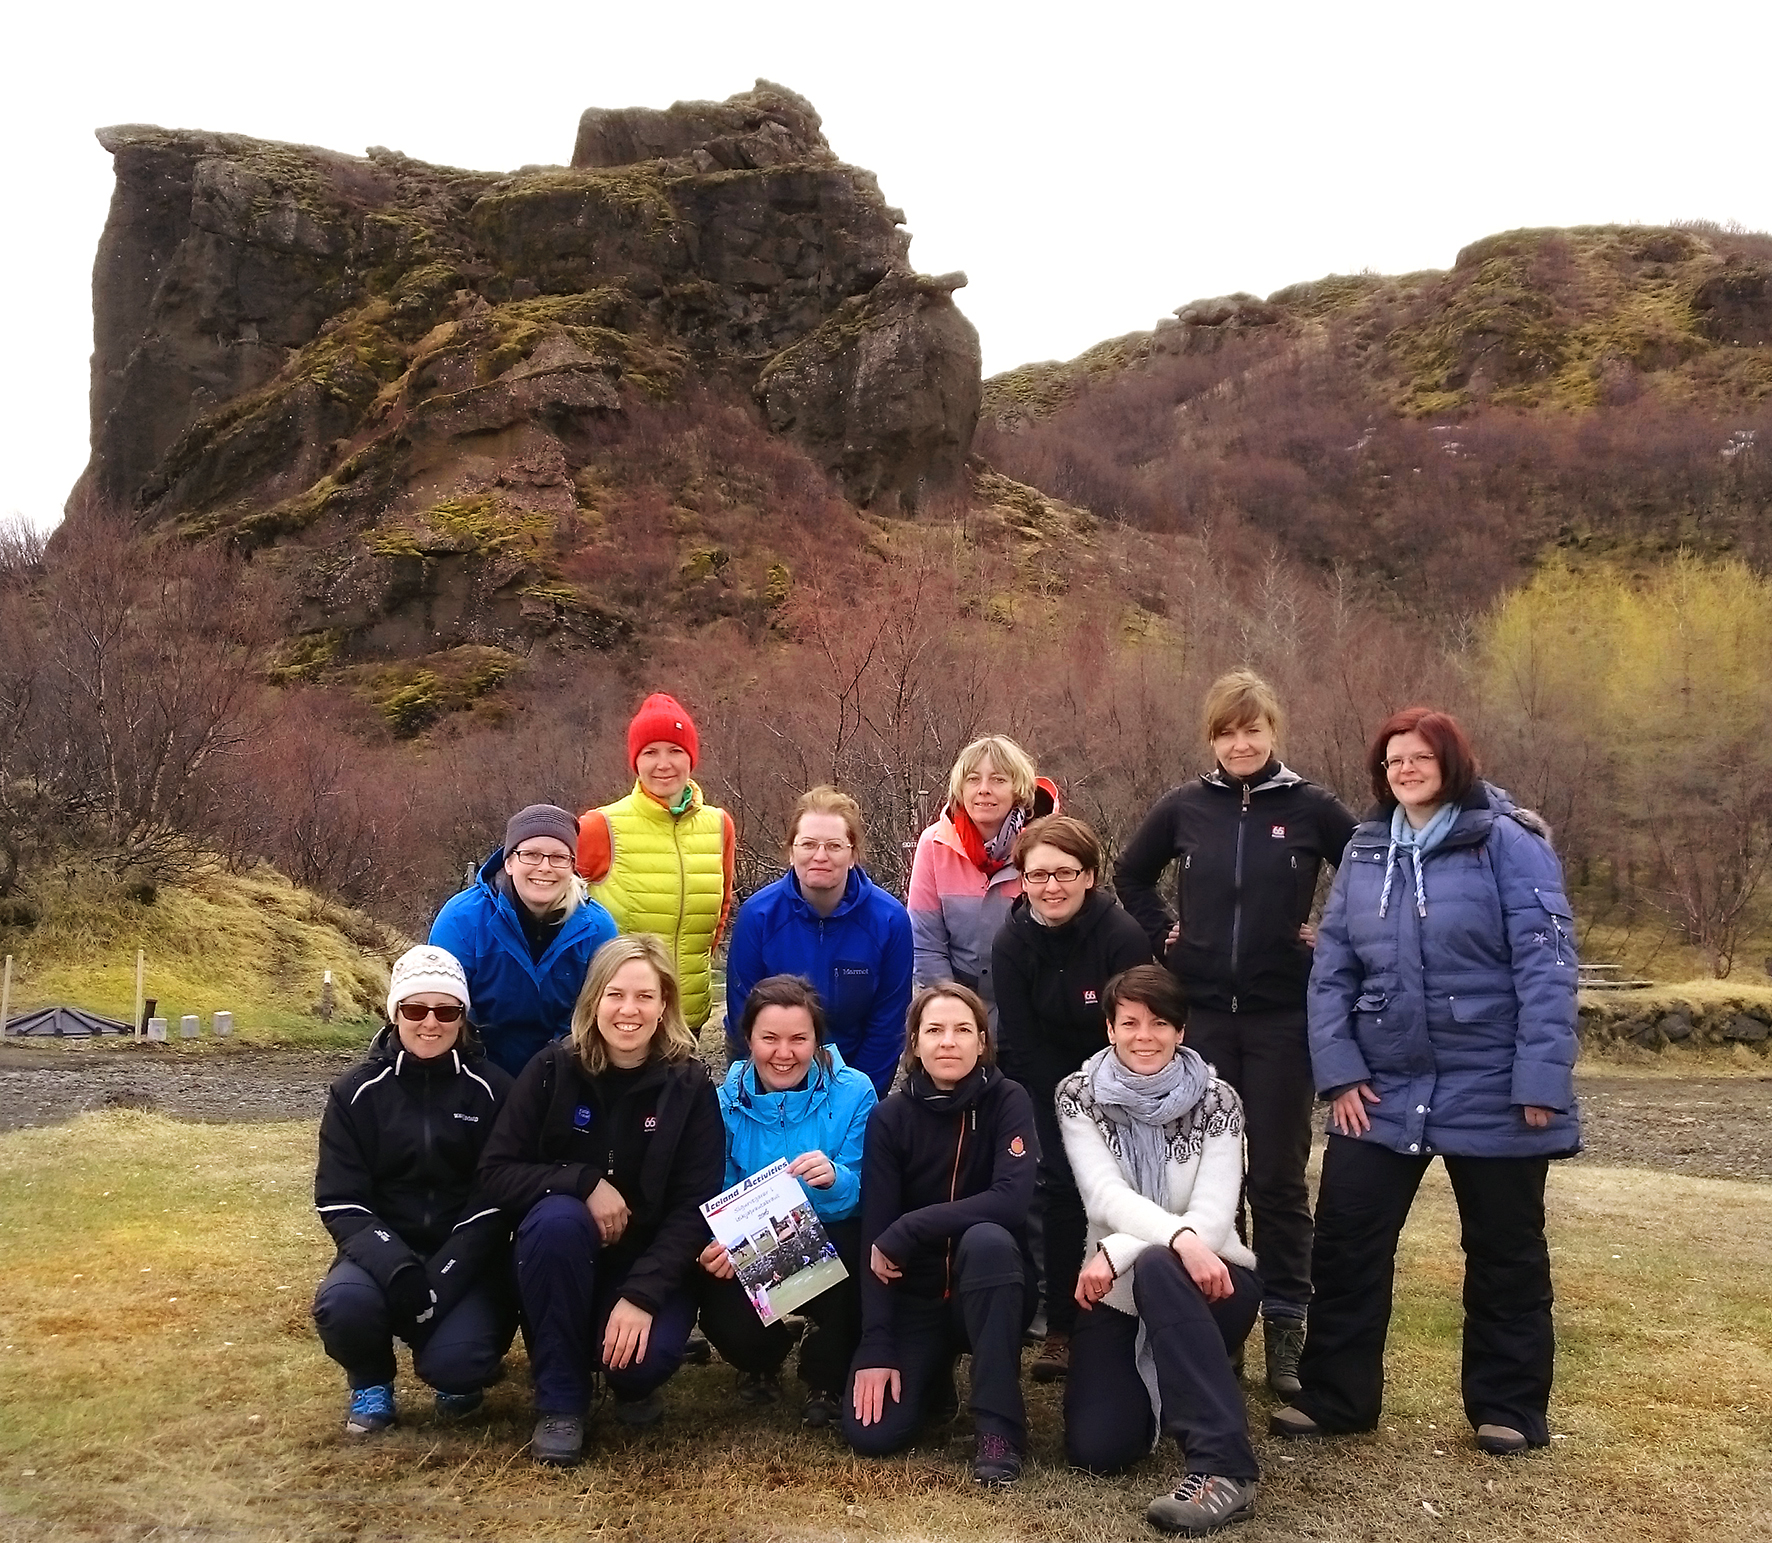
x=1458 y=762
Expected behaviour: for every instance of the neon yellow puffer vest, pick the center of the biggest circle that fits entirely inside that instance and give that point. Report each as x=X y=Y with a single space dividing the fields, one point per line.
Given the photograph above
x=667 y=875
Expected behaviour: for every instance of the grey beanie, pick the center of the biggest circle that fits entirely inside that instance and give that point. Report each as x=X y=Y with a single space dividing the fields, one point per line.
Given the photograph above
x=541 y=820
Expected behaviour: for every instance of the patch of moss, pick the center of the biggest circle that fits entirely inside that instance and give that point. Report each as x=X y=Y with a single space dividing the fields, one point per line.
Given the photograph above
x=779 y=587
x=414 y=694
x=481 y=523
x=305 y=657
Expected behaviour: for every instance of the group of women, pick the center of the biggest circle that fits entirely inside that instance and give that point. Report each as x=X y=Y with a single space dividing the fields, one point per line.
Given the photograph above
x=1010 y=1045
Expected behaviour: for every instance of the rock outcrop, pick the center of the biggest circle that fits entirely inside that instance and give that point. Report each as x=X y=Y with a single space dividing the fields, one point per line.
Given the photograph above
x=337 y=356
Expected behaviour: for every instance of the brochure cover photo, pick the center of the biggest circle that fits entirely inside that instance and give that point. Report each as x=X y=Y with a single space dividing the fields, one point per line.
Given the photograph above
x=776 y=1242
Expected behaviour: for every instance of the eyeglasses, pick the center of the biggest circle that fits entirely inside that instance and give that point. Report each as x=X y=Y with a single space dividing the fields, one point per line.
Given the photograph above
x=1426 y=758
x=821 y=848
x=417 y=1012
x=1035 y=878
x=544 y=859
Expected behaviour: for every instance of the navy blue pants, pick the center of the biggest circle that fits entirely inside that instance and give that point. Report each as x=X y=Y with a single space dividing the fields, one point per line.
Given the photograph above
x=1108 y=1423
x=567 y=1299
x=357 y=1329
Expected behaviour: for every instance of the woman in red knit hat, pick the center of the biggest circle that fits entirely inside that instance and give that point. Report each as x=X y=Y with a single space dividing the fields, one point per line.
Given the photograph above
x=661 y=860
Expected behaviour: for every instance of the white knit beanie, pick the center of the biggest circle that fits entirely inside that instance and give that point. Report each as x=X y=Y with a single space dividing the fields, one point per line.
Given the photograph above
x=426 y=968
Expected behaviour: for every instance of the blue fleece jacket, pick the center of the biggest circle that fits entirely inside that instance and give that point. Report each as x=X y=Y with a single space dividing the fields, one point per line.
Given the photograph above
x=519 y=1003
x=858 y=959
x=829 y=1115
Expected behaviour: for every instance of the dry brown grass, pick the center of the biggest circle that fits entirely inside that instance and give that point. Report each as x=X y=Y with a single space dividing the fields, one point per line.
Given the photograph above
x=160 y=1378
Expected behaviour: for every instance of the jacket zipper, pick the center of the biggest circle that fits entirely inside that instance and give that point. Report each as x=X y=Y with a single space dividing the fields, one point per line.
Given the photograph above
x=947 y=1267
x=1237 y=890
x=682 y=885
x=431 y=1190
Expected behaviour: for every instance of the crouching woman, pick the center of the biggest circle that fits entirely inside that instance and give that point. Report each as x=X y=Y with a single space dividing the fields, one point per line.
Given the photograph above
x=610 y=1145
x=1169 y=1293
x=421 y=1257
x=947 y=1179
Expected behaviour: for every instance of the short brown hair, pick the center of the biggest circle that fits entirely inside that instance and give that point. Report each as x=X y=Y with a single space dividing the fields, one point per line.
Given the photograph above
x=1238 y=698
x=1070 y=836
x=787 y=991
x=1004 y=754
x=671 y=1040
x=1150 y=985
x=825 y=799
x=913 y=1021
x=1458 y=762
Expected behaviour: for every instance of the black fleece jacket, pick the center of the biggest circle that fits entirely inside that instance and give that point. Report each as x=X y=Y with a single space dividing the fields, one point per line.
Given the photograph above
x=400 y=1142
x=1049 y=986
x=1247 y=853
x=655 y=1133
x=934 y=1165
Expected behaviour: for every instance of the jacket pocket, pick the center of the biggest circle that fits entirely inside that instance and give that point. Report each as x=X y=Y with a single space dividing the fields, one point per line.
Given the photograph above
x=1560 y=928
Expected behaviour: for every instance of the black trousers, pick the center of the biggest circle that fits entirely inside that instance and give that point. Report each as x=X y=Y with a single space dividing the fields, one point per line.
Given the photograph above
x=356 y=1327
x=743 y=1339
x=1064 y=1229
x=1266 y=1057
x=1509 y=1343
x=990 y=1305
x=1108 y=1424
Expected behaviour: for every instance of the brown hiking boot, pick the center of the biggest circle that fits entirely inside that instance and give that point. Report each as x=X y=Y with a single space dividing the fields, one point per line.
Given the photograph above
x=1054 y=1360
x=1283 y=1344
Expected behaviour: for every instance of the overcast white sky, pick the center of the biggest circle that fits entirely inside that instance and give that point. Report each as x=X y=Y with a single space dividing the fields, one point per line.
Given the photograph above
x=1090 y=166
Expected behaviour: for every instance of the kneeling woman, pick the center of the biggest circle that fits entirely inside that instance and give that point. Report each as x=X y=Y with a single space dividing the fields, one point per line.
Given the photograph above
x=610 y=1145
x=947 y=1180
x=1170 y=1294
x=792 y=1098
x=419 y=1255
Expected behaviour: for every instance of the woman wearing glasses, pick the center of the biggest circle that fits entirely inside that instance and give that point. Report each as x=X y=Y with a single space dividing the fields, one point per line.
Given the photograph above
x=1064 y=941
x=1442 y=1023
x=827 y=921
x=419 y=1257
x=1248 y=840
x=525 y=933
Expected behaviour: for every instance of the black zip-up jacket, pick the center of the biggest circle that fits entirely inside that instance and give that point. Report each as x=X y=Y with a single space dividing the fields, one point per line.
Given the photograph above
x=654 y=1132
x=400 y=1143
x=1049 y=986
x=934 y=1165
x=1247 y=855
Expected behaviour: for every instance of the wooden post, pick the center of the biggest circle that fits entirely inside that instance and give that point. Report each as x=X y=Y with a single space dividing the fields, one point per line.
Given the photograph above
x=326 y=998
x=139 y=958
x=5 y=996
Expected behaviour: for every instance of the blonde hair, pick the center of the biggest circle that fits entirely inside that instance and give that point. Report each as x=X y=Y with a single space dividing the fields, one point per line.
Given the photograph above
x=1239 y=698
x=1004 y=754
x=825 y=799
x=671 y=1038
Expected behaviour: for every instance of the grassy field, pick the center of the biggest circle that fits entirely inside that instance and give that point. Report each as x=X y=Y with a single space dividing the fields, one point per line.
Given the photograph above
x=159 y=1377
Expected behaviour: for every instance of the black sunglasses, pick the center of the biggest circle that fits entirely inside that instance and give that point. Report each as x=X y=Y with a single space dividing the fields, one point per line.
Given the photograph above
x=417 y=1012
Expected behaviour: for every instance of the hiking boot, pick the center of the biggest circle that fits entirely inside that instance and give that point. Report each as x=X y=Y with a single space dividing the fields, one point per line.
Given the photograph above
x=1283 y=1341
x=759 y=1387
x=455 y=1406
x=636 y=1413
x=1500 y=1440
x=558 y=1440
x=697 y=1351
x=1202 y=1503
x=1054 y=1360
x=820 y=1410
x=372 y=1410
x=996 y=1461
x=1293 y=1424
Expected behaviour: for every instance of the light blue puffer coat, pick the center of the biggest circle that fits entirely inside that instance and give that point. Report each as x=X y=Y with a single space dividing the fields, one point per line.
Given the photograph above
x=1460 y=1017
x=829 y=1115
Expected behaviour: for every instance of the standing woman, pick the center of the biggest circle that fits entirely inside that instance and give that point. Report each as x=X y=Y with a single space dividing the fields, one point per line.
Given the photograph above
x=1065 y=939
x=947 y=1179
x=608 y=1147
x=963 y=877
x=792 y=1097
x=1442 y=1015
x=1170 y=1291
x=661 y=860
x=826 y=920
x=419 y=1256
x=1248 y=839
x=524 y=933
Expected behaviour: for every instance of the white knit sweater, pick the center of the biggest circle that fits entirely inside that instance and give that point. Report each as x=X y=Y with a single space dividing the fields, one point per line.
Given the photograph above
x=1205 y=1178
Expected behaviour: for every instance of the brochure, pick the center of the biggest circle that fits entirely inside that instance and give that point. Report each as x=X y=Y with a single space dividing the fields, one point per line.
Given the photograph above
x=782 y=1253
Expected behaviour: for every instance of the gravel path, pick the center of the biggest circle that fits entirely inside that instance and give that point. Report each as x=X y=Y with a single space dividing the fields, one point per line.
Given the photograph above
x=1717 y=1127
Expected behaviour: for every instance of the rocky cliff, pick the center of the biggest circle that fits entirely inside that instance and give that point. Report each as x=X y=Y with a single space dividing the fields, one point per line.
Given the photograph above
x=385 y=370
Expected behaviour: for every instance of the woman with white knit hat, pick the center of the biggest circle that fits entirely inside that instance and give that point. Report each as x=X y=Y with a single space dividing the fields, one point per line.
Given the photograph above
x=420 y=1258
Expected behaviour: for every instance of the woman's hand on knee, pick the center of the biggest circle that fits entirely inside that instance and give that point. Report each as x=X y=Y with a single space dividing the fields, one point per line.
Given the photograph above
x=1348 y=1112
x=872 y=1383
x=1094 y=1281
x=1204 y=1268
x=608 y=1210
x=626 y=1334
x=716 y=1261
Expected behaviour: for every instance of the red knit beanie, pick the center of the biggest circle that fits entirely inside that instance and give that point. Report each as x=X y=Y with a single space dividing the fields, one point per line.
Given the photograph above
x=662 y=717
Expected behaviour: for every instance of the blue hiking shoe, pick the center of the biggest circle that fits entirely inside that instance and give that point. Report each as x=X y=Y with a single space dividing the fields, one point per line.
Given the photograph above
x=372 y=1410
